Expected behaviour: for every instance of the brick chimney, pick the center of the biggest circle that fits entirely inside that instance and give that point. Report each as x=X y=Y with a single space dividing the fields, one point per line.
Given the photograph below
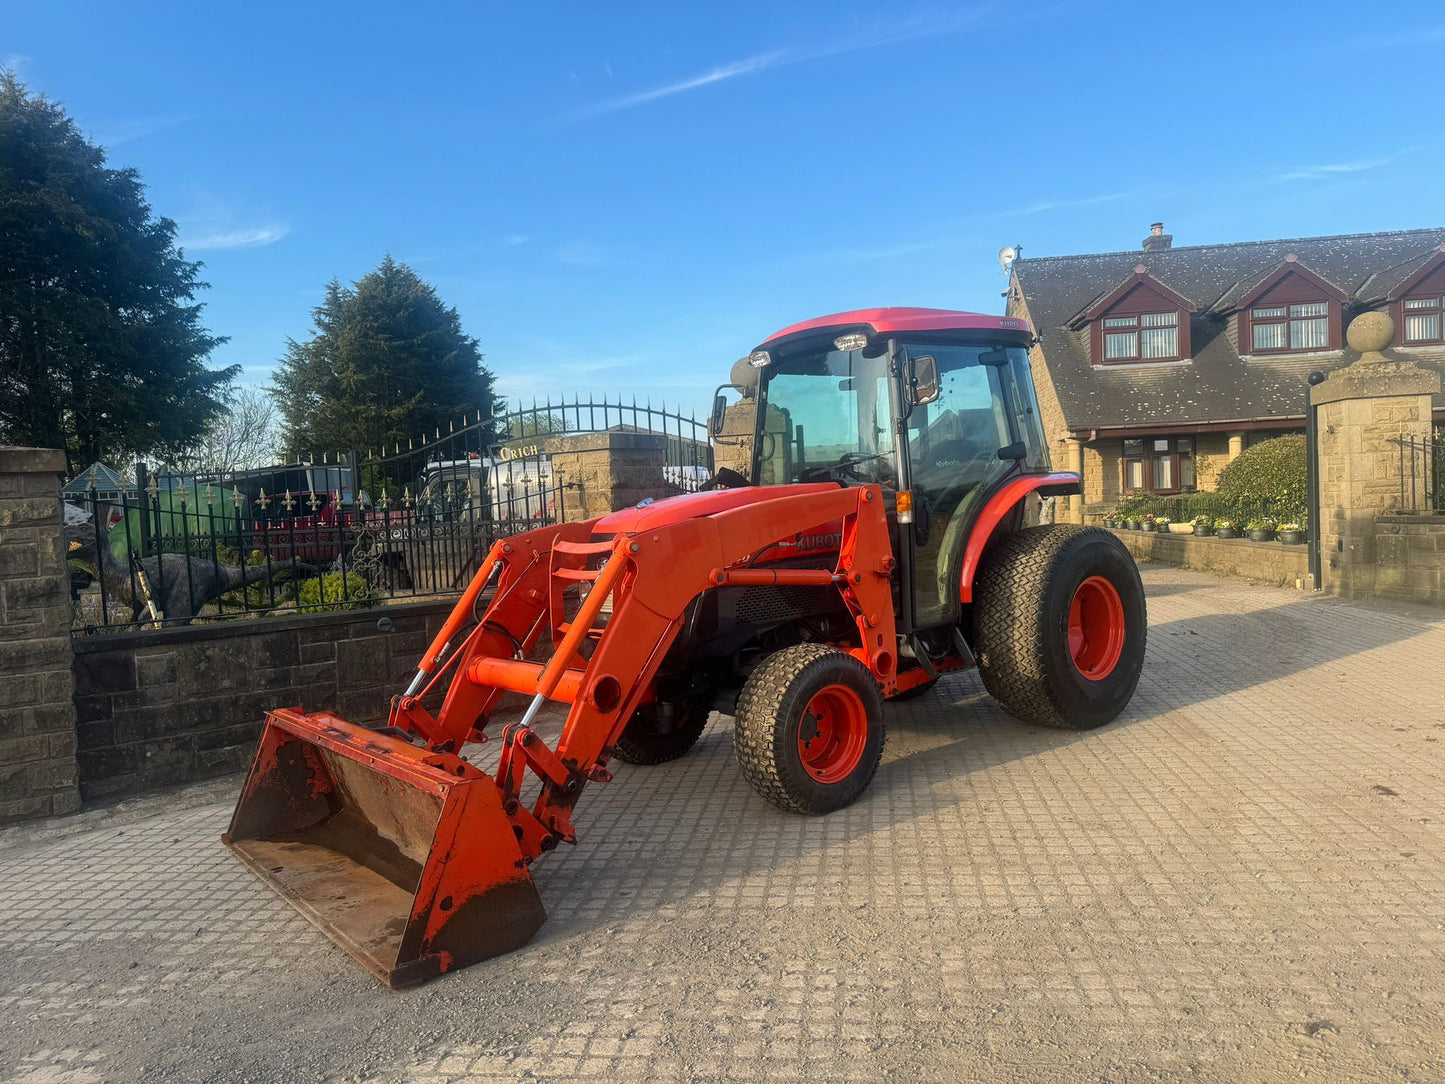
x=1158 y=240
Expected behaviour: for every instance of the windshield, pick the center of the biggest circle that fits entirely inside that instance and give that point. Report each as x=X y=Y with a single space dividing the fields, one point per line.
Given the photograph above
x=828 y=418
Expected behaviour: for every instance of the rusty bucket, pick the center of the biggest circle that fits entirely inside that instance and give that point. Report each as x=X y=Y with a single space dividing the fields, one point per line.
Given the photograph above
x=402 y=856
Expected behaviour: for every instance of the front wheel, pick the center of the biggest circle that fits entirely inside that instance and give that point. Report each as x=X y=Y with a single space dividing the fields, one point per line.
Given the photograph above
x=663 y=730
x=809 y=730
x=1061 y=626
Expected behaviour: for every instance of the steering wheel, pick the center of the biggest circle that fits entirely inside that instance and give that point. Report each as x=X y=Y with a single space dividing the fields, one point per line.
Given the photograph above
x=847 y=465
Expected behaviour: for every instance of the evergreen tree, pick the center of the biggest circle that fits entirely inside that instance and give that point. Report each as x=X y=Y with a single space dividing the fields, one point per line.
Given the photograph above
x=101 y=344
x=388 y=361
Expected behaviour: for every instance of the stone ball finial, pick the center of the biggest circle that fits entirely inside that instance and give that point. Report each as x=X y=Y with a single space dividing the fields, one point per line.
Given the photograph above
x=1369 y=333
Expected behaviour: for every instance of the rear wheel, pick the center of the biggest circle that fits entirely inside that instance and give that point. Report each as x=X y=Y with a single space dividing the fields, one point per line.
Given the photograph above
x=1061 y=626
x=809 y=730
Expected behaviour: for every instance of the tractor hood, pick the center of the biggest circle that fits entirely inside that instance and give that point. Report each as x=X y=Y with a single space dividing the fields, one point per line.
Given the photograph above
x=653 y=514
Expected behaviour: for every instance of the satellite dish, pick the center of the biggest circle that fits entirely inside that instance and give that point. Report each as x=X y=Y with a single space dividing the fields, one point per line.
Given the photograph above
x=1006 y=256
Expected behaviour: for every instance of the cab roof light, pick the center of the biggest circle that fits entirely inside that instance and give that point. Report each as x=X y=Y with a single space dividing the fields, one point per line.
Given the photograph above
x=760 y=359
x=855 y=340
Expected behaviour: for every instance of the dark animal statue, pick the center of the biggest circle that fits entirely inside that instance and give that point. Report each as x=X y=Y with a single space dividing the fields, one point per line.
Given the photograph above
x=180 y=585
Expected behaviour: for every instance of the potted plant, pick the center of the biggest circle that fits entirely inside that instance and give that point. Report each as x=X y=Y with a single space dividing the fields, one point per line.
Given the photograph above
x=1291 y=534
x=1203 y=526
x=1136 y=524
x=1146 y=521
x=1161 y=524
x=1260 y=530
x=1224 y=527
x=1185 y=526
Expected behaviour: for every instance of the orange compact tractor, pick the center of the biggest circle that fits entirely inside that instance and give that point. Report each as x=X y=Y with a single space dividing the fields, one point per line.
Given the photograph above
x=879 y=543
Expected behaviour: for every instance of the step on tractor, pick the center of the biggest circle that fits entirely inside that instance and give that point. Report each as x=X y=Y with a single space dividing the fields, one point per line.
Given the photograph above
x=880 y=541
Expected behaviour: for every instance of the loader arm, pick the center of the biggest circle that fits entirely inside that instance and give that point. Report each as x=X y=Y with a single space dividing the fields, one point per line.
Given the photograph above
x=413 y=859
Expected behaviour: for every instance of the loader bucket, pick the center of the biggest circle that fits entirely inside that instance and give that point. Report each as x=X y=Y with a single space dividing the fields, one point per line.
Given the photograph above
x=401 y=856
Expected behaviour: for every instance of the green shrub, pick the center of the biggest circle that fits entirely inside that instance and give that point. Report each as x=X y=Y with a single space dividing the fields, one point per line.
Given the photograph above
x=1272 y=472
x=334 y=591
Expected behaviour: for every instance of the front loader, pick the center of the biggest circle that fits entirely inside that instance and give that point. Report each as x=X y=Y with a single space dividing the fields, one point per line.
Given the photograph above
x=878 y=544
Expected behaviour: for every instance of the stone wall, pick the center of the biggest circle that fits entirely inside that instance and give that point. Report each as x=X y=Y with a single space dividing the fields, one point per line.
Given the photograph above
x=1263 y=562
x=37 y=719
x=1410 y=558
x=602 y=472
x=154 y=709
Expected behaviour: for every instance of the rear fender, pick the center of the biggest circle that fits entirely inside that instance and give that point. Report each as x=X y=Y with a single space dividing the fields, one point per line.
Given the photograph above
x=1000 y=505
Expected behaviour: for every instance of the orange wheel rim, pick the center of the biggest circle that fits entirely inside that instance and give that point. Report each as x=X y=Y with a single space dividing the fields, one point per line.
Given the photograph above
x=832 y=733
x=1096 y=628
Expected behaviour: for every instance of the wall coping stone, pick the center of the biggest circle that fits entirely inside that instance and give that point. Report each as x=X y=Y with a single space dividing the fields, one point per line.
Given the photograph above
x=15 y=460
x=258 y=626
x=611 y=440
x=1380 y=380
x=1437 y=520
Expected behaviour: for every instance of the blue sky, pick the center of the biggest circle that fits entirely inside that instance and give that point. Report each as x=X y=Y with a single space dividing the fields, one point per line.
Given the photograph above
x=625 y=201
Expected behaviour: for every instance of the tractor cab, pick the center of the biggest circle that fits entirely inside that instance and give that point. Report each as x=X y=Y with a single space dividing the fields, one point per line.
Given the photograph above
x=936 y=407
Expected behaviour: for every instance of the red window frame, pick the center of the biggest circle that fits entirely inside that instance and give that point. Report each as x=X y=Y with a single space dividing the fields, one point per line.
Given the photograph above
x=1437 y=309
x=1287 y=320
x=1178 y=452
x=1133 y=324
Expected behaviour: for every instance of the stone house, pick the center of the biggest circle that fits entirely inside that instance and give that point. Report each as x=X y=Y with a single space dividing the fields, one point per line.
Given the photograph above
x=1155 y=367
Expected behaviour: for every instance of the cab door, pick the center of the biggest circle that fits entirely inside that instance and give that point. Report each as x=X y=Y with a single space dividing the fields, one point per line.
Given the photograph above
x=953 y=450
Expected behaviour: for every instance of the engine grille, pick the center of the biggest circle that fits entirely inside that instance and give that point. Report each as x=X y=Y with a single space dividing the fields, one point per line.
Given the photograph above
x=761 y=605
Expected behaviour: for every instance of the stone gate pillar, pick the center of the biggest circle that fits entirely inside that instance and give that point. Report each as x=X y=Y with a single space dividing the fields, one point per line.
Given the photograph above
x=1364 y=409
x=37 y=689
x=602 y=472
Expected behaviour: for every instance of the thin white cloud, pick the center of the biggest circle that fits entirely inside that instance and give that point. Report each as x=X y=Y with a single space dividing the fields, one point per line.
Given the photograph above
x=1044 y=205
x=255 y=237
x=14 y=63
x=115 y=133
x=872 y=36
x=1405 y=39
x=1335 y=169
x=580 y=255
x=512 y=240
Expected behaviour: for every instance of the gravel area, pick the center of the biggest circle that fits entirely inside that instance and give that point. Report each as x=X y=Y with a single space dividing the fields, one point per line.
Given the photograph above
x=1243 y=878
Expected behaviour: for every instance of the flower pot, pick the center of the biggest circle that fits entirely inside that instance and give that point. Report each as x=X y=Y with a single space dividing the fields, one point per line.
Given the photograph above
x=1162 y=528
x=1181 y=528
x=1291 y=538
x=1203 y=531
x=1226 y=532
x=1261 y=536
x=1134 y=525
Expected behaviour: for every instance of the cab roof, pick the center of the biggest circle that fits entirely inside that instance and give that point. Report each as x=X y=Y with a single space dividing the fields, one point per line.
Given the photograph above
x=898 y=320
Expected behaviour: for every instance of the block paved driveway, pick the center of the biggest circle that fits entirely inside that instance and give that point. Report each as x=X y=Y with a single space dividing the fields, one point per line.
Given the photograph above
x=1242 y=879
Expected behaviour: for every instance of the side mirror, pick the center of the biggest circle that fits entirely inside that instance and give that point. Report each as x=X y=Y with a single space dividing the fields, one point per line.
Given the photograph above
x=719 y=415
x=924 y=388
x=997 y=357
x=1016 y=450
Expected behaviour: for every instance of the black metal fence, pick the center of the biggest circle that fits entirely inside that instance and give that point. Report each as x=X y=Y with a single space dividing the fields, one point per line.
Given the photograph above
x=343 y=530
x=1422 y=473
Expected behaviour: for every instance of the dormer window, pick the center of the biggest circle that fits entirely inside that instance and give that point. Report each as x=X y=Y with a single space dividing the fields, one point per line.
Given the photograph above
x=1422 y=319
x=1150 y=336
x=1141 y=321
x=1305 y=326
x=1417 y=304
x=1291 y=310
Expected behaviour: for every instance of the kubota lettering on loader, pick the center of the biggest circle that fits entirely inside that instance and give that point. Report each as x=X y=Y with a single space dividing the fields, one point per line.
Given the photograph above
x=906 y=441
